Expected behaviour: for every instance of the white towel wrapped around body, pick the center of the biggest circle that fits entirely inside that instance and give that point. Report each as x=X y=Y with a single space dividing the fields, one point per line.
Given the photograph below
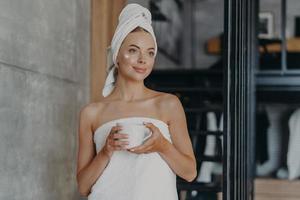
x=130 y=176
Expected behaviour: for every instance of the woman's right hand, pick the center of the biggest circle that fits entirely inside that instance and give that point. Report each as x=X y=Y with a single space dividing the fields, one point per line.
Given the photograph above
x=115 y=141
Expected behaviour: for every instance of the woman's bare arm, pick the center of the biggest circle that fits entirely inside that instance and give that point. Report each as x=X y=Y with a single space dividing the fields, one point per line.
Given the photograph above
x=179 y=155
x=89 y=164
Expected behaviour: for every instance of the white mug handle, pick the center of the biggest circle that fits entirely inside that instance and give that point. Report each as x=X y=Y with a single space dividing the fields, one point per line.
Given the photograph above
x=149 y=135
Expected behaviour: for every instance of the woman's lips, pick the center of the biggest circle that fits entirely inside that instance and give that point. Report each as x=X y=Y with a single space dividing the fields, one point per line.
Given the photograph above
x=139 y=70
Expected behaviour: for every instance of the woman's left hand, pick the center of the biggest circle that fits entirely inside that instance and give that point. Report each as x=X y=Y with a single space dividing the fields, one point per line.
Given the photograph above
x=155 y=143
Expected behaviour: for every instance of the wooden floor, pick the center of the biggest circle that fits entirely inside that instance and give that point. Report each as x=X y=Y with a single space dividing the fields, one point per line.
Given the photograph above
x=275 y=189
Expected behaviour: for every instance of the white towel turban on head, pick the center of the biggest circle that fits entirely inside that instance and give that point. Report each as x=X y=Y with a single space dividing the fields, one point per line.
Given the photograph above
x=131 y=17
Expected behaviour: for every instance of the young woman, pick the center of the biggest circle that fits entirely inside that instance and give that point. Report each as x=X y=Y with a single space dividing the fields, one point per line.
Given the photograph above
x=106 y=169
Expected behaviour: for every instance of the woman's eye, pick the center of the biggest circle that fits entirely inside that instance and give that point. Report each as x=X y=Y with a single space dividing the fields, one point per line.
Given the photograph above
x=151 y=53
x=132 y=50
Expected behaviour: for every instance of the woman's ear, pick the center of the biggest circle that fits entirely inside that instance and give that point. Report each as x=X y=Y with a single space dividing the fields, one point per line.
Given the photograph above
x=118 y=64
x=116 y=73
x=117 y=60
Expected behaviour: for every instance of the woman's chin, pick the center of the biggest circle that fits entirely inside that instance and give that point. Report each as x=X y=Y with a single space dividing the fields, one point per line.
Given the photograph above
x=134 y=76
x=138 y=78
x=141 y=76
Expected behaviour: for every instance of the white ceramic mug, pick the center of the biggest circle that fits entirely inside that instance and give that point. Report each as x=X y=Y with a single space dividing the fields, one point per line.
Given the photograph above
x=137 y=133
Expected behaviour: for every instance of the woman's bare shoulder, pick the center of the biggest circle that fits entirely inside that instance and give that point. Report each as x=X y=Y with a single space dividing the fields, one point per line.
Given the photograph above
x=168 y=104
x=92 y=111
x=168 y=100
x=171 y=108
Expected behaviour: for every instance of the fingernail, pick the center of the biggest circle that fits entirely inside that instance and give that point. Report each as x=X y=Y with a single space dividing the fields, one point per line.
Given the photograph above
x=131 y=149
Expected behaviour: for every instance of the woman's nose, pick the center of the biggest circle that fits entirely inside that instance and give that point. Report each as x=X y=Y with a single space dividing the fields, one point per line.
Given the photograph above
x=141 y=58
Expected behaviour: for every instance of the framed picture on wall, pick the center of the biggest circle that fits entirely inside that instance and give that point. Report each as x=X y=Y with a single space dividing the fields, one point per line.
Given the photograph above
x=266 y=25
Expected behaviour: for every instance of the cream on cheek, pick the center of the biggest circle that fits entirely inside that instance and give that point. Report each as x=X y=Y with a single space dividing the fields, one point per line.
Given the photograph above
x=130 y=58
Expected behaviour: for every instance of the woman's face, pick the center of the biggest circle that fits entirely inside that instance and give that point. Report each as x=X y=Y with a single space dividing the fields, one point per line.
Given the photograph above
x=136 y=56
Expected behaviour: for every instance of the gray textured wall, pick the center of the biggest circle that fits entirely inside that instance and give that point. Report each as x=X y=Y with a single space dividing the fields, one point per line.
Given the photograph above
x=44 y=64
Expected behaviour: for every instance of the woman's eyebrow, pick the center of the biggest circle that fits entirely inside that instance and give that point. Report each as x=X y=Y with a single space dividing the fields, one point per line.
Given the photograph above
x=151 y=48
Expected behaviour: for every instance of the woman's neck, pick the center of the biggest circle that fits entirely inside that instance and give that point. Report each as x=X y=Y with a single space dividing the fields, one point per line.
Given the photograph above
x=129 y=91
